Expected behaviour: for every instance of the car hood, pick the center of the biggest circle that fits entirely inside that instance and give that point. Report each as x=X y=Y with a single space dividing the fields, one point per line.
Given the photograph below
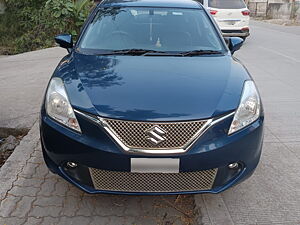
x=154 y=88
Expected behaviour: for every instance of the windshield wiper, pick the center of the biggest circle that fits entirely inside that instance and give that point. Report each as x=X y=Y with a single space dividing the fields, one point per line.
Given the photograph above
x=200 y=52
x=131 y=52
x=138 y=52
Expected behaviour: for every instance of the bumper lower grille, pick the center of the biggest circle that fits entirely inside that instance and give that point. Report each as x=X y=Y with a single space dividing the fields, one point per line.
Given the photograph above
x=176 y=135
x=152 y=182
x=232 y=31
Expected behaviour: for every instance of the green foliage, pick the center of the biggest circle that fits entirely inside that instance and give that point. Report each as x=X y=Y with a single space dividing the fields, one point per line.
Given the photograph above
x=32 y=24
x=72 y=13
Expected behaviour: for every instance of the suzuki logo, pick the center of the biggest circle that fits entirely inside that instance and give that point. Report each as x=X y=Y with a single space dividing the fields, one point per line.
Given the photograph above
x=155 y=135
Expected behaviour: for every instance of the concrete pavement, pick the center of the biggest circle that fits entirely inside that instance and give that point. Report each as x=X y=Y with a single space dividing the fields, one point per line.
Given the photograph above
x=272 y=194
x=29 y=194
x=23 y=79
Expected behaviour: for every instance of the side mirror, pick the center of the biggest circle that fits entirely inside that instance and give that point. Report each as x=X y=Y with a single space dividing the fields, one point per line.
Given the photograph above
x=65 y=41
x=234 y=43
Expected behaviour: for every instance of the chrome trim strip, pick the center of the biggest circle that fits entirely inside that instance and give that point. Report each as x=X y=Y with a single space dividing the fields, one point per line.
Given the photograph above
x=151 y=151
x=209 y=123
x=221 y=118
x=229 y=20
x=94 y=119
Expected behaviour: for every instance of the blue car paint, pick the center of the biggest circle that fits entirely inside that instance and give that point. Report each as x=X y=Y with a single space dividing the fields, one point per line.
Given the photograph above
x=89 y=190
x=214 y=149
x=171 y=88
x=201 y=87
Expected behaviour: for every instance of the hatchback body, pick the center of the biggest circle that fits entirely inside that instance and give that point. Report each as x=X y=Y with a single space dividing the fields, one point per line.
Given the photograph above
x=232 y=16
x=150 y=100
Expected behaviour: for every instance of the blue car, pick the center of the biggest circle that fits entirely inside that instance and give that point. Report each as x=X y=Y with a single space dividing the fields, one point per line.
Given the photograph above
x=150 y=100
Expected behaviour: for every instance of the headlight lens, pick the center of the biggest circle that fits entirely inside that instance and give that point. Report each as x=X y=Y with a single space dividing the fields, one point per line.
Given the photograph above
x=249 y=108
x=58 y=106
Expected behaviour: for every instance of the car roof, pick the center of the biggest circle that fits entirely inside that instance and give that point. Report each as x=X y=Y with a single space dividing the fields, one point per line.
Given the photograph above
x=152 y=3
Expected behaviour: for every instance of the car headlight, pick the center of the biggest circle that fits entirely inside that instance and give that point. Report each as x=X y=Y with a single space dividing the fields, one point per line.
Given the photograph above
x=58 y=106
x=249 y=108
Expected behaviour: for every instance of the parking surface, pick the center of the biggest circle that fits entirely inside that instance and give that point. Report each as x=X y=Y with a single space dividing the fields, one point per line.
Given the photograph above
x=24 y=78
x=29 y=194
x=272 y=194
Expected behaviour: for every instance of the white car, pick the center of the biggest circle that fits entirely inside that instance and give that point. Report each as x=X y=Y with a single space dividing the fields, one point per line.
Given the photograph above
x=232 y=16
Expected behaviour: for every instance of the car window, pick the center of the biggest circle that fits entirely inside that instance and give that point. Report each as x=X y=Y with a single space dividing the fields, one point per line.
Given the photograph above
x=160 y=29
x=226 y=4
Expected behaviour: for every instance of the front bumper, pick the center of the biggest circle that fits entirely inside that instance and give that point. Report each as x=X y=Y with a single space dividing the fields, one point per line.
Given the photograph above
x=95 y=150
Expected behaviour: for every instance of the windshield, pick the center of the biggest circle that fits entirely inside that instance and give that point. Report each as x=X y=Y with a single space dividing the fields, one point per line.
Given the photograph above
x=227 y=4
x=157 y=29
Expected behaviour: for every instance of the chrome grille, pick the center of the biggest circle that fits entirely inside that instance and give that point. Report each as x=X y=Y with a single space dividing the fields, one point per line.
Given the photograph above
x=134 y=134
x=152 y=182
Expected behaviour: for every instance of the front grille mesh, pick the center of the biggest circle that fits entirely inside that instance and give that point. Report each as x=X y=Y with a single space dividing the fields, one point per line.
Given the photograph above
x=133 y=134
x=152 y=182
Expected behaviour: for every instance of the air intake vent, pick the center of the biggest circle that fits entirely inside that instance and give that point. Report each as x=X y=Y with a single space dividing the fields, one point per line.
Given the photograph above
x=156 y=135
x=152 y=182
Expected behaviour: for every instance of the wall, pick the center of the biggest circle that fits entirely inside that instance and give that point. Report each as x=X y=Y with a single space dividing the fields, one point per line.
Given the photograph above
x=275 y=9
x=283 y=11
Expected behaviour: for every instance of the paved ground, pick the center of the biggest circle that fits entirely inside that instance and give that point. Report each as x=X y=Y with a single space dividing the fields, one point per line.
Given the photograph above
x=29 y=194
x=23 y=81
x=272 y=194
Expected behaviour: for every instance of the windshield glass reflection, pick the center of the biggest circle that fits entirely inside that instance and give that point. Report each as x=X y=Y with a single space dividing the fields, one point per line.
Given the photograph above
x=158 y=29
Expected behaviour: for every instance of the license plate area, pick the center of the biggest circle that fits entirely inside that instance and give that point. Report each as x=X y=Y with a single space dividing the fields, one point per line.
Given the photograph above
x=230 y=23
x=154 y=165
